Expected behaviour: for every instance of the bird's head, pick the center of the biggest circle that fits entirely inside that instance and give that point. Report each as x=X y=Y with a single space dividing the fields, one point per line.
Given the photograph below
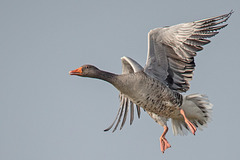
x=86 y=71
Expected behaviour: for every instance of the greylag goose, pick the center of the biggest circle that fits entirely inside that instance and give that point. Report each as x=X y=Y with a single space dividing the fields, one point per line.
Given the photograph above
x=158 y=87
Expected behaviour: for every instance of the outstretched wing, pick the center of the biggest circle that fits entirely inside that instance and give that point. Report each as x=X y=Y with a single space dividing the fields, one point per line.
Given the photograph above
x=171 y=50
x=128 y=66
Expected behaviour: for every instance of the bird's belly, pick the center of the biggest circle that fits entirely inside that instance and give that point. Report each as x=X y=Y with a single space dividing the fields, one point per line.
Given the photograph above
x=160 y=105
x=163 y=108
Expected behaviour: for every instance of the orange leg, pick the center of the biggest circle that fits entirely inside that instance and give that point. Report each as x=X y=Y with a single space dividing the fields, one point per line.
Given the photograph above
x=163 y=141
x=190 y=125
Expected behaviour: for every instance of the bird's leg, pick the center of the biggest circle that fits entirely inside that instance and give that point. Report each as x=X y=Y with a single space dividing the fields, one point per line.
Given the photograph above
x=163 y=141
x=190 y=125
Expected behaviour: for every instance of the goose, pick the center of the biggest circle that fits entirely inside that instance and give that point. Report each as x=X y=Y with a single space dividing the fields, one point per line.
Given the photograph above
x=159 y=86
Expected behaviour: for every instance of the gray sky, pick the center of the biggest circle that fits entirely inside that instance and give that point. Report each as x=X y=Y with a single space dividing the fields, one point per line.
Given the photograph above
x=45 y=114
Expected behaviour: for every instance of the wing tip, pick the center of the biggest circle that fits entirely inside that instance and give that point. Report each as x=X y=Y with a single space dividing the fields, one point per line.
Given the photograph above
x=123 y=57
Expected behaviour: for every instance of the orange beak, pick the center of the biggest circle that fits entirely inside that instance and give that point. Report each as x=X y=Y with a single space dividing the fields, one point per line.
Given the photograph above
x=76 y=71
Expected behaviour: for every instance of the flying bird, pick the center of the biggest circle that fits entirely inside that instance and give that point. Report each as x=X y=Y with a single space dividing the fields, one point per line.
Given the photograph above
x=158 y=87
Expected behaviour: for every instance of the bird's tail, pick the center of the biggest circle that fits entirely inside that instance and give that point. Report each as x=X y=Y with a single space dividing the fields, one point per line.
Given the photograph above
x=197 y=109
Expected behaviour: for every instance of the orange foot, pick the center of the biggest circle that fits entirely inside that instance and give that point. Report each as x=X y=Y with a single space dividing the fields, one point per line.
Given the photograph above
x=190 y=125
x=164 y=144
x=163 y=141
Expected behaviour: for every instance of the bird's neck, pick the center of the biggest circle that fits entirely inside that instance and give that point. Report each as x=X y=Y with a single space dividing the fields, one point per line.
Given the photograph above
x=107 y=76
x=118 y=81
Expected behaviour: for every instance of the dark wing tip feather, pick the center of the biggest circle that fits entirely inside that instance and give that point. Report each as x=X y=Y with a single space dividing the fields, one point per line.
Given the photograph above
x=122 y=112
x=198 y=42
x=125 y=112
x=210 y=29
x=217 y=18
x=203 y=35
x=131 y=112
x=138 y=111
x=107 y=129
x=192 y=48
x=119 y=115
x=207 y=28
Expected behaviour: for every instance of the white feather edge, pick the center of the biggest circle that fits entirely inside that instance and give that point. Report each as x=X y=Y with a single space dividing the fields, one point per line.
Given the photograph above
x=135 y=66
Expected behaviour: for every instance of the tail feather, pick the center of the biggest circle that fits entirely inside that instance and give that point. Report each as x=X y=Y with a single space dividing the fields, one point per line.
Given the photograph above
x=198 y=110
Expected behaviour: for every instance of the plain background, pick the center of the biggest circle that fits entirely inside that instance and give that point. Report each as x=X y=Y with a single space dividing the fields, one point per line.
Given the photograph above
x=45 y=114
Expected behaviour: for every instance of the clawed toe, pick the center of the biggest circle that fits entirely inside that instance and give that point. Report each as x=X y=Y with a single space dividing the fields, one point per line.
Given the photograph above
x=192 y=127
x=164 y=144
x=163 y=141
